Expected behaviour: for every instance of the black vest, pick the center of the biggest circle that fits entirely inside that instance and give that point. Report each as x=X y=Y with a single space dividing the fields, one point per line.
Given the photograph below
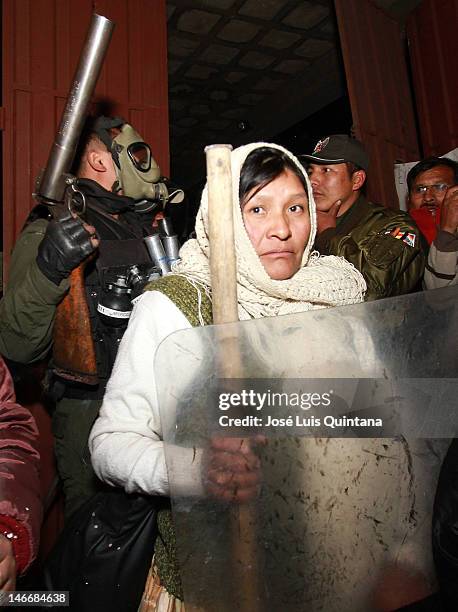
x=121 y=247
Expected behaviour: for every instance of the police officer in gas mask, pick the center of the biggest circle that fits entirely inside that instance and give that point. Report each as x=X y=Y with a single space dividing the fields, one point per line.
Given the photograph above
x=119 y=190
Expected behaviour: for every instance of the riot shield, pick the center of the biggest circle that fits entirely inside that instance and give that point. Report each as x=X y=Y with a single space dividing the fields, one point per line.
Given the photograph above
x=350 y=411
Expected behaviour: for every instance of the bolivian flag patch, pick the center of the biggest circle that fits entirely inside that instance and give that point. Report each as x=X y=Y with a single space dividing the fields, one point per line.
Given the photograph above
x=407 y=237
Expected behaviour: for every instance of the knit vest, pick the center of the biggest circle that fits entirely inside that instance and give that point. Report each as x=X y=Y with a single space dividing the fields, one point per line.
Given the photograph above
x=186 y=298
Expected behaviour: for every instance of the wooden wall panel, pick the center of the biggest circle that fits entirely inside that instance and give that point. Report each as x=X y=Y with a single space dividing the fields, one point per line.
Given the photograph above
x=433 y=45
x=41 y=47
x=143 y=76
x=42 y=40
x=21 y=27
x=379 y=92
x=115 y=77
x=21 y=151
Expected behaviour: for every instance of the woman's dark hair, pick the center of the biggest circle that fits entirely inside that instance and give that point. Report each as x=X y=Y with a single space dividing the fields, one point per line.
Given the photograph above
x=261 y=167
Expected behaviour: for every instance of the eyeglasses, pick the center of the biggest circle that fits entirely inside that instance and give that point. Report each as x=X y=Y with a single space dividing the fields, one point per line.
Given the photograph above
x=437 y=188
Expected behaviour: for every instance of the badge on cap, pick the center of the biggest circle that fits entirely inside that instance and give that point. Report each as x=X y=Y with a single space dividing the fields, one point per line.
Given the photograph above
x=320 y=145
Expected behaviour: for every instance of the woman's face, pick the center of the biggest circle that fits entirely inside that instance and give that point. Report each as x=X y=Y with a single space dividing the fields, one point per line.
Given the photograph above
x=278 y=224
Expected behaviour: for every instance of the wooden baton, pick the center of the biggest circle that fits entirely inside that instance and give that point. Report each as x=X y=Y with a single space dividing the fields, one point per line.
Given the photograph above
x=224 y=301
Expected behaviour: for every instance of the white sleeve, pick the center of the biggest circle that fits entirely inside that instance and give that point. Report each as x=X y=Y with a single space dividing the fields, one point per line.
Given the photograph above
x=126 y=439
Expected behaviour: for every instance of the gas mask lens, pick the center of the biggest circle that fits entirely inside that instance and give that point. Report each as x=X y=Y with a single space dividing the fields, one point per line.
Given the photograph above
x=140 y=155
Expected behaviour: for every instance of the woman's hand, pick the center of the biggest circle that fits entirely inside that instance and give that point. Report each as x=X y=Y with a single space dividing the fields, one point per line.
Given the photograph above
x=233 y=468
x=7 y=565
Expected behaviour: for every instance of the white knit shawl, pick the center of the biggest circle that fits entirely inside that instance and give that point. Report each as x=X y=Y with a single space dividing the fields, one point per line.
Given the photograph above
x=319 y=283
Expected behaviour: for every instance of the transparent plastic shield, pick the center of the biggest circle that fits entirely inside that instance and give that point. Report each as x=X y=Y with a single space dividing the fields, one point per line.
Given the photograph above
x=349 y=413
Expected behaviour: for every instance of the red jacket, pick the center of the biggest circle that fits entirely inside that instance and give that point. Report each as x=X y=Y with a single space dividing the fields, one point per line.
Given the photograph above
x=20 y=503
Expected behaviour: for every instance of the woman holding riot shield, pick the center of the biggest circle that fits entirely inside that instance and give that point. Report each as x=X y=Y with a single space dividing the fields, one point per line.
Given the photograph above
x=277 y=273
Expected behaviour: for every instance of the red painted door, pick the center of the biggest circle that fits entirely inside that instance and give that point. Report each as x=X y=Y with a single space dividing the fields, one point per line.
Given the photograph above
x=42 y=40
x=379 y=92
x=433 y=46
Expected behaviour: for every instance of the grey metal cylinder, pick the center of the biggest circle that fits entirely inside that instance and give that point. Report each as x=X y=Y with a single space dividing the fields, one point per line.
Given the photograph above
x=157 y=253
x=53 y=183
x=165 y=227
x=171 y=247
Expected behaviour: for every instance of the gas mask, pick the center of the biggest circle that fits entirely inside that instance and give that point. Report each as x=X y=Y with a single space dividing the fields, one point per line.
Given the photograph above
x=138 y=174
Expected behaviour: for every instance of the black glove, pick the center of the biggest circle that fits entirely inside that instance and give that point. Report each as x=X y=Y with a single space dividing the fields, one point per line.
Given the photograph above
x=64 y=246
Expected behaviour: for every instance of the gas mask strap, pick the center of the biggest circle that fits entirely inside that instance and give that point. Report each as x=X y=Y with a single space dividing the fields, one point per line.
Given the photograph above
x=102 y=127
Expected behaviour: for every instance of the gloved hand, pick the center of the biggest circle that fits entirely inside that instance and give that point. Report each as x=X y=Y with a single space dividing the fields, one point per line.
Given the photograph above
x=65 y=244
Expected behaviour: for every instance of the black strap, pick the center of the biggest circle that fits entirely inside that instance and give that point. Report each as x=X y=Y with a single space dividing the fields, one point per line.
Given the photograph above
x=439 y=274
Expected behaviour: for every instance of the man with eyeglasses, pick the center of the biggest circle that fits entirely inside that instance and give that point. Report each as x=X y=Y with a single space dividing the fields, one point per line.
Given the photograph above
x=433 y=203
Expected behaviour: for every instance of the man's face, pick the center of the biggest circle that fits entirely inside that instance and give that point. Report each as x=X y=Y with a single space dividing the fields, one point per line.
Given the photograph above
x=429 y=188
x=330 y=183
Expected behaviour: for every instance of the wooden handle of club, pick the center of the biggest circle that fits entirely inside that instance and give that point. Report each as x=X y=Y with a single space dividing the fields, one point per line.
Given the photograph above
x=221 y=234
x=74 y=351
x=224 y=303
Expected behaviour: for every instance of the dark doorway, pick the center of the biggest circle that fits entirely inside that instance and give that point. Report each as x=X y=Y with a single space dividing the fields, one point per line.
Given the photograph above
x=335 y=118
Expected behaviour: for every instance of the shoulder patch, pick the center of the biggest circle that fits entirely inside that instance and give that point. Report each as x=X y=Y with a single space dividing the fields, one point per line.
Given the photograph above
x=406 y=236
x=409 y=238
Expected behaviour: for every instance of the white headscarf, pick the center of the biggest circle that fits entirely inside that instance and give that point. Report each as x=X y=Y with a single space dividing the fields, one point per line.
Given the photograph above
x=319 y=283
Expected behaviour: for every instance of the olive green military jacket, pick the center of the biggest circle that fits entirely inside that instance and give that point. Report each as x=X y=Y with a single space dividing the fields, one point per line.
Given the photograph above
x=28 y=307
x=390 y=265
